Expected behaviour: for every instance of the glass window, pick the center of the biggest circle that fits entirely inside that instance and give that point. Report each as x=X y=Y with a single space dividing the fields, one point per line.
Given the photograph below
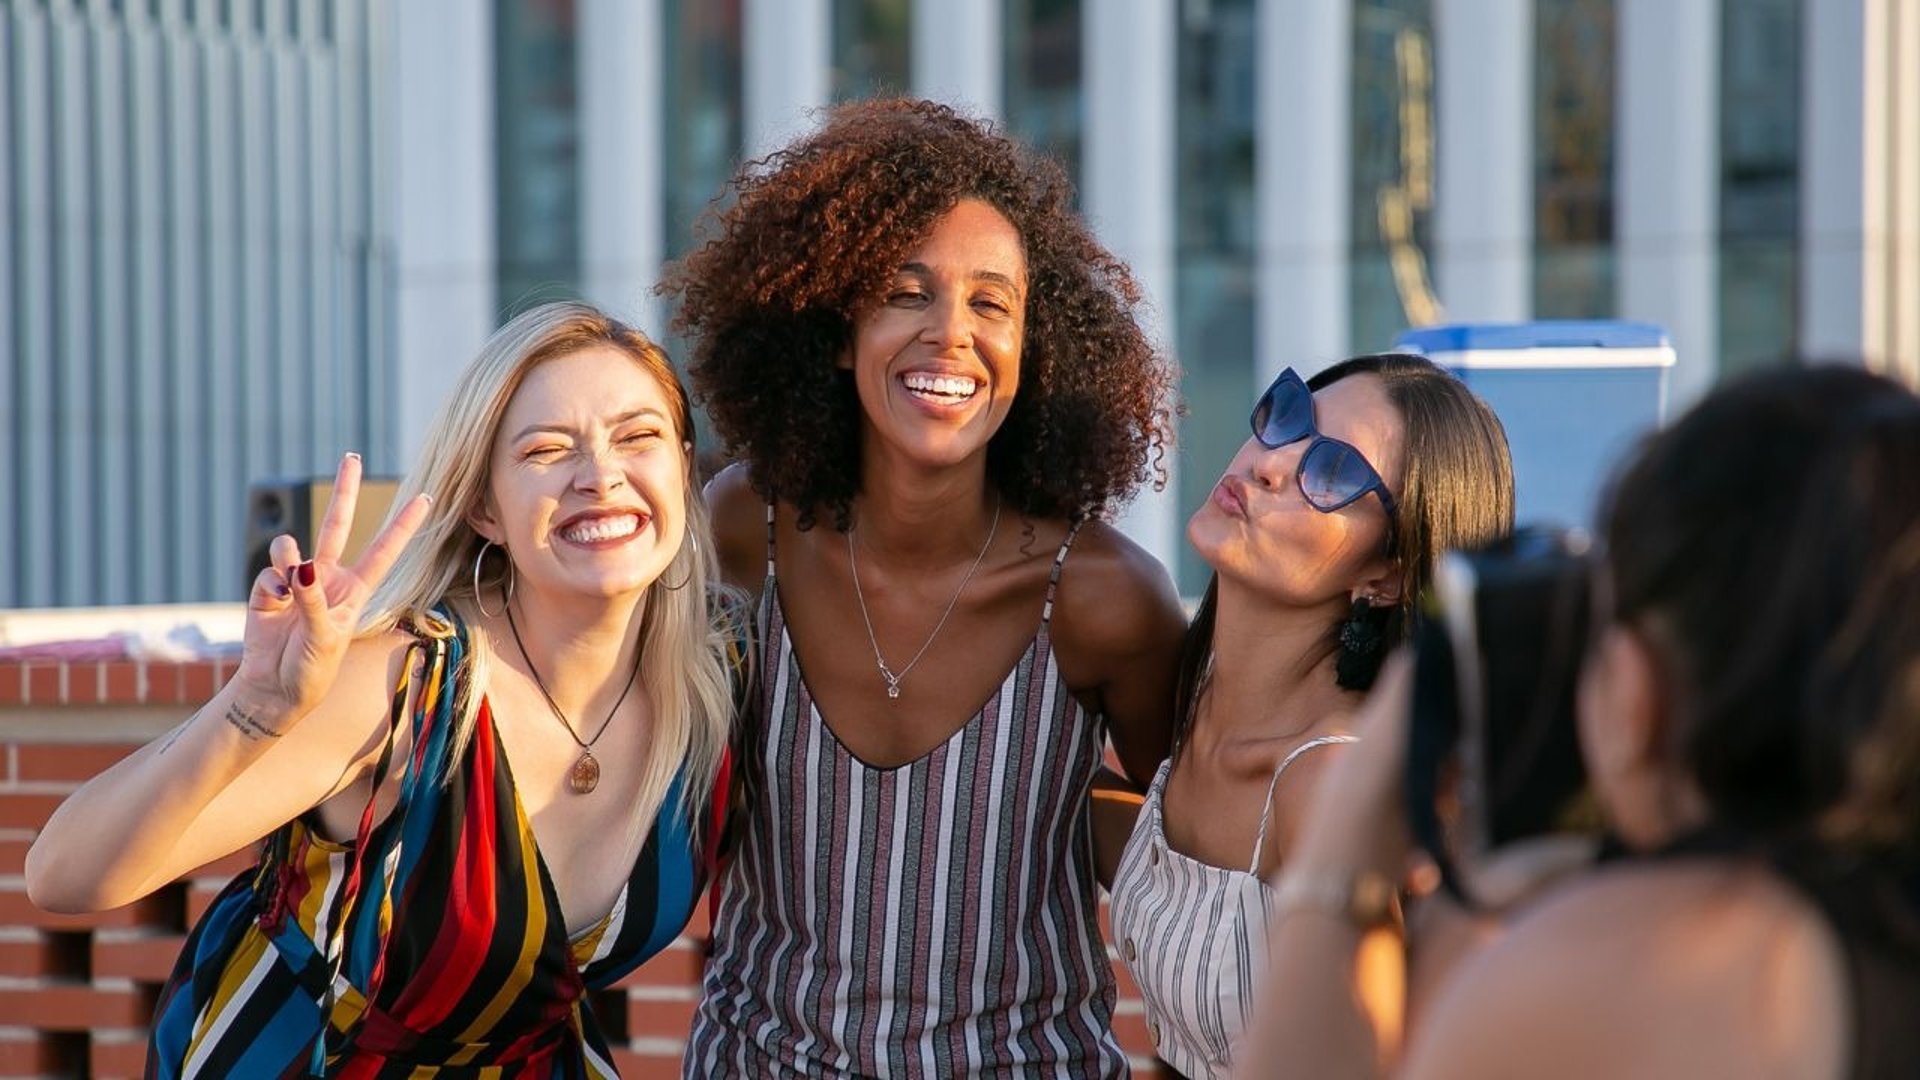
x=702 y=106
x=1214 y=249
x=1759 y=181
x=1393 y=155
x=1573 y=135
x=1043 y=88
x=872 y=48
x=536 y=148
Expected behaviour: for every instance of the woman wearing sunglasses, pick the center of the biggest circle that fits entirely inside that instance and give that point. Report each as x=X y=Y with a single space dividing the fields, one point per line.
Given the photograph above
x=1321 y=536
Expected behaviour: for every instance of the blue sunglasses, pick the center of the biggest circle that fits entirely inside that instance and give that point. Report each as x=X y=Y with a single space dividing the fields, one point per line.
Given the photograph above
x=1331 y=473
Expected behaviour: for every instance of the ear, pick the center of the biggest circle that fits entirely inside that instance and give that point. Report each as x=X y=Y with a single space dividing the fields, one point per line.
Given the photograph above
x=1622 y=712
x=481 y=519
x=1384 y=586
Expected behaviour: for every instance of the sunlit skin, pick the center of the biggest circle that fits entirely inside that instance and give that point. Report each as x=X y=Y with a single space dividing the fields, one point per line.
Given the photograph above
x=955 y=310
x=1257 y=531
x=588 y=478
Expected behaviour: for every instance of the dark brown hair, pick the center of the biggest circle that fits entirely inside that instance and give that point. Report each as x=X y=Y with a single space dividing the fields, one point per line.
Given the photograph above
x=1455 y=491
x=817 y=230
x=1769 y=542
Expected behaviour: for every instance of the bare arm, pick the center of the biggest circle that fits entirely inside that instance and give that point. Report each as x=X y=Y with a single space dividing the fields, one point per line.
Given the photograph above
x=739 y=529
x=1120 y=623
x=288 y=730
x=1115 y=810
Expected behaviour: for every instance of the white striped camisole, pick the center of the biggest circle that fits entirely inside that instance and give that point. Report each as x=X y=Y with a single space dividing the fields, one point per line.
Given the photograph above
x=932 y=919
x=1194 y=935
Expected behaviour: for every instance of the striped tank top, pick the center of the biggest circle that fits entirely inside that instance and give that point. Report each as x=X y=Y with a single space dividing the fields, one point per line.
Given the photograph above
x=1194 y=936
x=930 y=920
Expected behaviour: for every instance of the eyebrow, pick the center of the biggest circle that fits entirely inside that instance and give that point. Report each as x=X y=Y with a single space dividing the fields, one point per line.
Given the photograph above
x=625 y=417
x=978 y=275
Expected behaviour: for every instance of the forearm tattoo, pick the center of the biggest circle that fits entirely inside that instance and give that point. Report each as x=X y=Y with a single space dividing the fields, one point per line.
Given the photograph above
x=243 y=721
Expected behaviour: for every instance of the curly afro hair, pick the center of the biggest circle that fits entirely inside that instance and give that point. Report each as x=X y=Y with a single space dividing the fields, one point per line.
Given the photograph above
x=817 y=231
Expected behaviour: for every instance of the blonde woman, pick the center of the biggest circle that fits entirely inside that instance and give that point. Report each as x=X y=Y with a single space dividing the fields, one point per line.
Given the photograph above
x=482 y=758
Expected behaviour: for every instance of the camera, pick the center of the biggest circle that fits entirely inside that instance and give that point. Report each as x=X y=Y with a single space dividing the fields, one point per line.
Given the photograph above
x=1493 y=747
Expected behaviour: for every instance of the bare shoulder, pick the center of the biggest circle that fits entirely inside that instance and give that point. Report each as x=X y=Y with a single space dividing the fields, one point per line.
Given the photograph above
x=1688 y=957
x=739 y=527
x=1115 y=600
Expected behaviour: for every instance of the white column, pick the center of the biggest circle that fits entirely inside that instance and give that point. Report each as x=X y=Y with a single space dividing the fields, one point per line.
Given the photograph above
x=1668 y=177
x=441 y=196
x=788 y=57
x=1483 y=180
x=1127 y=182
x=1860 y=185
x=958 y=51
x=1839 y=166
x=1303 y=177
x=621 y=215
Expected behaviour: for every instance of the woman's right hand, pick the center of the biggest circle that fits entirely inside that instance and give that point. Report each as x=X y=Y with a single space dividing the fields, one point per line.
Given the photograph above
x=302 y=614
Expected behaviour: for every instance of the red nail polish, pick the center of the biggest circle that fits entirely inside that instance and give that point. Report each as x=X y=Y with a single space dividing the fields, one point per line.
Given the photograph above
x=305 y=570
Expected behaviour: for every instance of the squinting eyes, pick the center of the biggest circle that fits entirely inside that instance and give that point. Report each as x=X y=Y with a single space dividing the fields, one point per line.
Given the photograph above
x=638 y=440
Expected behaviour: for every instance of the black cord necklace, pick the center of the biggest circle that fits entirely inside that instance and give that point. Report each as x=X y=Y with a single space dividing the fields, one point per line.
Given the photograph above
x=585 y=775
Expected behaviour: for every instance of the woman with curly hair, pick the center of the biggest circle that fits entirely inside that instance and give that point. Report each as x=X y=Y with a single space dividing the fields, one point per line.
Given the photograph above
x=933 y=377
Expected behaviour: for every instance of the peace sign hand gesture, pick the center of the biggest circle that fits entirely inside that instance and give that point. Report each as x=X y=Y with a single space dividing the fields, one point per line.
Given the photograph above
x=301 y=615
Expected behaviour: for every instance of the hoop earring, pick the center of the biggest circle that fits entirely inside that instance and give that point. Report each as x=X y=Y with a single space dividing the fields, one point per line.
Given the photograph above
x=687 y=578
x=479 y=600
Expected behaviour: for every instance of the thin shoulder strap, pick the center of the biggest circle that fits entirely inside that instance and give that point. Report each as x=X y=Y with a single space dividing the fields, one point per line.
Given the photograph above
x=1266 y=812
x=769 y=539
x=1053 y=579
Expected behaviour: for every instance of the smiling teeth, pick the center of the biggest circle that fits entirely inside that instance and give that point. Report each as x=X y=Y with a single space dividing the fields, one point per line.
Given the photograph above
x=954 y=386
x=598 y=529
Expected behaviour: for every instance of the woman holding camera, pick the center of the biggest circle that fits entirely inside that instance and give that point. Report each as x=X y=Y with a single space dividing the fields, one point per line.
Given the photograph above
x=1750 y=720
x=1321 y=535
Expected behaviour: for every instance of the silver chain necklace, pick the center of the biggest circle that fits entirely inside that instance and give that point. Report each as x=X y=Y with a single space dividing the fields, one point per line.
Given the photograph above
x=893 y=678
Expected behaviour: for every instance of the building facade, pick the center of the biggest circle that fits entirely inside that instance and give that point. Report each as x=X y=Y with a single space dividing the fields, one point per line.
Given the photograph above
x=244 y=235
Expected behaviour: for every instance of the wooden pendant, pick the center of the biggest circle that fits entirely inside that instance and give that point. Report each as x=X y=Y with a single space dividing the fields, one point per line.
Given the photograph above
x=586 y=773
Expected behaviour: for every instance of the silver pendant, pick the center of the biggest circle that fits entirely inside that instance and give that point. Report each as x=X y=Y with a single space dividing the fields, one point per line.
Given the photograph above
x=893 y=691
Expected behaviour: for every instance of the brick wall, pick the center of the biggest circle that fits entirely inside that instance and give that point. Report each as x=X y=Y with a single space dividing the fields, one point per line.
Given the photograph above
x=76 y=991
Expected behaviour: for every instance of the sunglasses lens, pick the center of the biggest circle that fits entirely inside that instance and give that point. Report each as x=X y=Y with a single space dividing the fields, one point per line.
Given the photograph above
x=1284 y=414
x=1334 y=474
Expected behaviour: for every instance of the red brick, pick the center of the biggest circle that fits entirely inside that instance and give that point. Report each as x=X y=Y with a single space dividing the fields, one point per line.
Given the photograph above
x=123 y=682
x=43 y=684
x=147 y=958
x=12 y=681
x=659 y=1019
x=1131 y=1029
x=17 y=910
x=223 y=667
x=67 y=761
x=114 y=1055
x=163 y=684
x=698 y=926
x=675 y=966
x=29 y=1054
x=36 y=956
x=83 y=682
x=71 y=1007
x=23 y=810
x=196 y=682
x=13 y=855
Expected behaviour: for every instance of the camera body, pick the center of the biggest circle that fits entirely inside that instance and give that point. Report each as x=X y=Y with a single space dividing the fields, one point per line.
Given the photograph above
x=1493 y=748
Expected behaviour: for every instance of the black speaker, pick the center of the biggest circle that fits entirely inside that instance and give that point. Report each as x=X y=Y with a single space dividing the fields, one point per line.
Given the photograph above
x=296 y=506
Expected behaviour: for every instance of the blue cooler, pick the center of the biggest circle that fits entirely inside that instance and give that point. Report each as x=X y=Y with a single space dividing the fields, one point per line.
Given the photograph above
x=1573 y=396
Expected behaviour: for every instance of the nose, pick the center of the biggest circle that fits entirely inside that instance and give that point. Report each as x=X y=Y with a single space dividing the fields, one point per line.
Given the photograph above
x=949 y=322
x=1275 y=468
x=599 y=473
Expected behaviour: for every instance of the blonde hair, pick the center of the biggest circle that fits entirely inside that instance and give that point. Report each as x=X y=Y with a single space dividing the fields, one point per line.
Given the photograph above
x=684 y=648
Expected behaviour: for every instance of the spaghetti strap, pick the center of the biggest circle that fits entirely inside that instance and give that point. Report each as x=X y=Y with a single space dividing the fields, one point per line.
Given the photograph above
x=1266 y=812
x=1053 y=579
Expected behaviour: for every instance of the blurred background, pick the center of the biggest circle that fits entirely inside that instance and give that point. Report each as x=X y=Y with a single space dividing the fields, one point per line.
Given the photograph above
x=242 y=236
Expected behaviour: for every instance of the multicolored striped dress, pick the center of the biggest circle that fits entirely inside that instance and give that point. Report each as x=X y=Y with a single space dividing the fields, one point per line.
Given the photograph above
x=933 y=919
x=431 y=946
